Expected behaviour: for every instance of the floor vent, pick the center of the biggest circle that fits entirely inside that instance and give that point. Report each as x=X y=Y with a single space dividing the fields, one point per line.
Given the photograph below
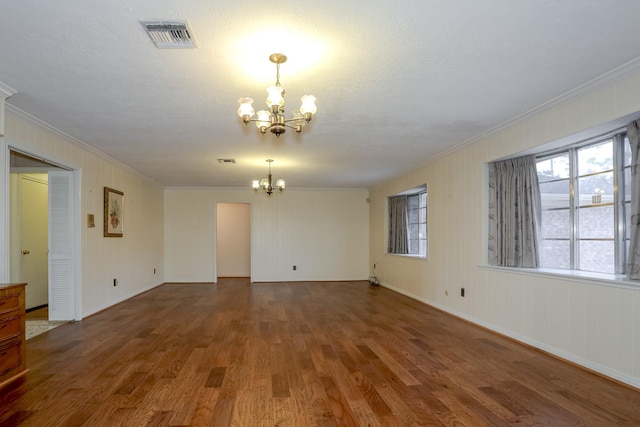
x=170 y=35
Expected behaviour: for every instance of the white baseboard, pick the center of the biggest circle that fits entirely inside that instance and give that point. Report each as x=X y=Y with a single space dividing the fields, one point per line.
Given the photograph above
x=569 y=357
x=123 y=298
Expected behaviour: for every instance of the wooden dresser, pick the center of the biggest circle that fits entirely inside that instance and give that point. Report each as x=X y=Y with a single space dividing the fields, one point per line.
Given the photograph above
x=13 y=363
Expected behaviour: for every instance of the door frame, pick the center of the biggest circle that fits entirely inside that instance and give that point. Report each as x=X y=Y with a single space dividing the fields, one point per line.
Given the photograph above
x=214 y=227
x=216 y=217
x=5 y=226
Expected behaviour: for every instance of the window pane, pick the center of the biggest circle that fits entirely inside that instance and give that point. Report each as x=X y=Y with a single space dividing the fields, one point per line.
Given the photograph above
x=627 y=151
x=411 y=205
x=627 y=184
x=595 y=158
x=627 y=220
x=413 y=231
x=555 y=254
x=596 y=223
x=589 y=187
x=556 y=224
x=414 y=246
x=553 y=168
x=597 y=256
x=412 y=202
x=413 y=216
x=554 y=194
x=596 y=189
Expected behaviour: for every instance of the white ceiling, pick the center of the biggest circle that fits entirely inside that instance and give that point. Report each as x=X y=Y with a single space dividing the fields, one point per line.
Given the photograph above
x=398 y=82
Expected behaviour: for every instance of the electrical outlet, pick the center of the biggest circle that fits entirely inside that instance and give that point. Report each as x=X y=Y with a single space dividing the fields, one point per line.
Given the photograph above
x=461 y=292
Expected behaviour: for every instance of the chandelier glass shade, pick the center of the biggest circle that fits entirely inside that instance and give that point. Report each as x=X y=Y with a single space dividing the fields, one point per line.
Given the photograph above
x=273 y=120
x=267 y=183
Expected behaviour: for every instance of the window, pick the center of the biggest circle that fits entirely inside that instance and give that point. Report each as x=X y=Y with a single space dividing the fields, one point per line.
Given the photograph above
x=585 y=195
x=408 y=222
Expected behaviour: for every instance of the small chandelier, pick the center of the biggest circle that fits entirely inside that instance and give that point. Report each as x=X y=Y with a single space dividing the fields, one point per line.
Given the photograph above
x=274 y=120
x=266 y=183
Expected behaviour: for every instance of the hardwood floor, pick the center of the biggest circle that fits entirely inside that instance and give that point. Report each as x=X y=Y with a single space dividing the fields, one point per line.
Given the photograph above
x=297 y=354
x=40 y=313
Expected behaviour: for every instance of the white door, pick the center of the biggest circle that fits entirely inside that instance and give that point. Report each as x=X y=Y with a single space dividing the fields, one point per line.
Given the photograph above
x=62 y=301
x=32 y=193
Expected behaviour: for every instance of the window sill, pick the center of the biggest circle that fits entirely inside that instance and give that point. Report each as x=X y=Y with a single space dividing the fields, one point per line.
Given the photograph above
x=601 y=279
x=423 y=258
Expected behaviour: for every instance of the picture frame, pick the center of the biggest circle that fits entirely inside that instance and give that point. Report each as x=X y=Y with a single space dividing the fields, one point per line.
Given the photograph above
x=113 y=212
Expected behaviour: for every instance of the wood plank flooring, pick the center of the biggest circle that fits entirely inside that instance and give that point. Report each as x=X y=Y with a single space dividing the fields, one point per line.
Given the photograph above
x=297 y=354
x=40 y=313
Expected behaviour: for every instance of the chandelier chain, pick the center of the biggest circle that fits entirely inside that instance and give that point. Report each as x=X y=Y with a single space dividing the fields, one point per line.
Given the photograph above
x=278 y=74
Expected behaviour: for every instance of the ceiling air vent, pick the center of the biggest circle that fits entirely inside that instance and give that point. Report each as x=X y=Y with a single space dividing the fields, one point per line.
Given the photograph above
x=170 y=34
x=226 y=160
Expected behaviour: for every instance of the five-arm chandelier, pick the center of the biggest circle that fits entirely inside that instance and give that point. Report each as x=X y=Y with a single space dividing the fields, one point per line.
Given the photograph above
x=274 y=120
x=267 y=184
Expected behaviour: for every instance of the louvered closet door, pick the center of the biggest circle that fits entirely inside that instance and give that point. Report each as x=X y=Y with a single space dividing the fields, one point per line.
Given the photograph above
x=61 y=292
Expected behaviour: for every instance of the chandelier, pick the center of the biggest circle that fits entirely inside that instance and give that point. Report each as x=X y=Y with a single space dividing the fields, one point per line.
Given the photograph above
x=274 y=120
x=266 y=183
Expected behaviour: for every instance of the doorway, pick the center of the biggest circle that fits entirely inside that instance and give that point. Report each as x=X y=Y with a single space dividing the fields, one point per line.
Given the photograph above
x=233 y=239
x=30 y=217
x=42 y=207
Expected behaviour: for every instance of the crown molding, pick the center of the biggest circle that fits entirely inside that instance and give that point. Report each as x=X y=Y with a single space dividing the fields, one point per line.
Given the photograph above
x=75 y=141
x=6 y=91
x=609 y=78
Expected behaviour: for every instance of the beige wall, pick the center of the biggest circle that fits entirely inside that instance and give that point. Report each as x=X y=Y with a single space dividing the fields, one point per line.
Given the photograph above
x=324 y=233
x=130 y=259
x=594 y=323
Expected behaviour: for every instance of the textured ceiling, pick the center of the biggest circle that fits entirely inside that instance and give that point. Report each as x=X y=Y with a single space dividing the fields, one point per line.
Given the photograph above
x=397 y=82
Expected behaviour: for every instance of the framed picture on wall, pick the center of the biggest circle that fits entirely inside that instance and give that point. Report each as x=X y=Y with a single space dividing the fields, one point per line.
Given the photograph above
x=113 y=212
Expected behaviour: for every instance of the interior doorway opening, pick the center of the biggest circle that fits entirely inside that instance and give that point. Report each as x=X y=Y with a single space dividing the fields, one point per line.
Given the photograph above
x=30 y=198
x=233 y=239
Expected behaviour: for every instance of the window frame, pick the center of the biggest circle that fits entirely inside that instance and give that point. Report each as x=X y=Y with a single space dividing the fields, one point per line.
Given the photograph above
x=620 y=204
x=414 y=191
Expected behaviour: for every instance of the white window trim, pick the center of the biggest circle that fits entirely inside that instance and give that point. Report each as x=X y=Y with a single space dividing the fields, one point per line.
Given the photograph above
x=618 y=173
x=619 y=281
x=411 y=191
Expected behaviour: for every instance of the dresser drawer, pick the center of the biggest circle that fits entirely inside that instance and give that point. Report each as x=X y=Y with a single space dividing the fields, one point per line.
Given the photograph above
x=13 y=356
x=10 y=356
x=9 y=302
x=10 y=327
